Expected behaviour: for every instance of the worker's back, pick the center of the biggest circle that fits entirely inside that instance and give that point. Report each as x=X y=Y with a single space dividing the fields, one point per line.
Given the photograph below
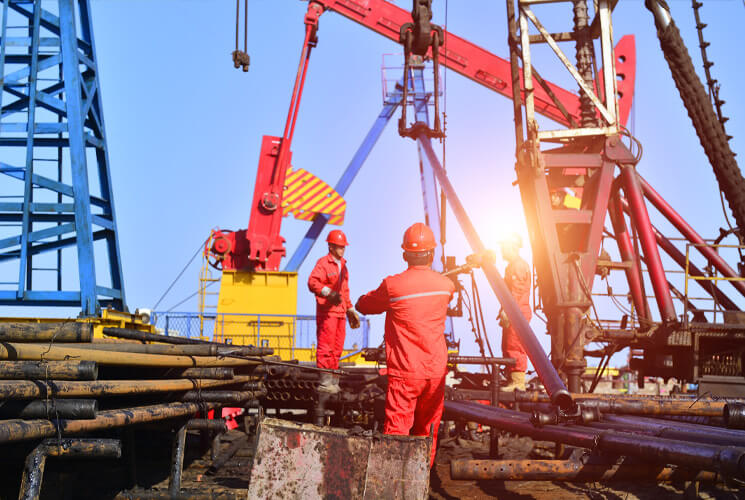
x=415 y=302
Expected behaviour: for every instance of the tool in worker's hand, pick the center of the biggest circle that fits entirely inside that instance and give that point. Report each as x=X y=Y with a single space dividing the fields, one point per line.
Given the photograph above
x=353 y=318
x=334 y=298
x=473 y=261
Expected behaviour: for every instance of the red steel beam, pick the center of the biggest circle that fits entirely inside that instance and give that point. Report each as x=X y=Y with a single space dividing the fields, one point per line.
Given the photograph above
x=690 y=234
x=478 y=64
x=640 y=218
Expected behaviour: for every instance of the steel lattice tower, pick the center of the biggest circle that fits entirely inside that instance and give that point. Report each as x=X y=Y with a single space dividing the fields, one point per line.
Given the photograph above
x=56 y=198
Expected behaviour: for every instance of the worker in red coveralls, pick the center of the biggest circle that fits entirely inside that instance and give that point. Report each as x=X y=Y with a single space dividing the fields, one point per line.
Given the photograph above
x=415 y=302
x=517 y=279
x=329 y=282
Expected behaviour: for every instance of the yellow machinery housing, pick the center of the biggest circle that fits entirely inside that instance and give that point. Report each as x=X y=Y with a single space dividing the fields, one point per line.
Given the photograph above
x=260 y=308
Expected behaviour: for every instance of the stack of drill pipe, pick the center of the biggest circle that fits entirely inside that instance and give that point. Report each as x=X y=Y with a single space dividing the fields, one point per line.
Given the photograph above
x=693 y=446
x=297 y=389
x=55 y=379
x=642 y=405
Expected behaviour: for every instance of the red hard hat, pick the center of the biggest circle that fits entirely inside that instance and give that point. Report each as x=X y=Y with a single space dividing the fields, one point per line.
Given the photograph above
x=419 y=238
x=337 y=237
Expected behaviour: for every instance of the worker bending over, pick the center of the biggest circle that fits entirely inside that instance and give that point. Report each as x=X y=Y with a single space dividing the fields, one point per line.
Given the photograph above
x=415 y=302
x=517 y=279
x=329 y=281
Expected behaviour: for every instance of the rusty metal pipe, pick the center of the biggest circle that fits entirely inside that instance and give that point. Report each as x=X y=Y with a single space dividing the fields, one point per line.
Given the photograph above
x=572 y=470
x=734 y=415
x=667 y=429
x=479 y=360
x=729 y=460
x=216 y=373
x=68 y=331
x=222 y=396
x=648 y=407
x=177 y=461
x=56 y=370
x=168 y=349
x=35 y=352
x=227 y=454
x=51 y=409
x=22 y=430
x=126 y=333
x=185 y=494
x=207 y=424
x=27 y=389
x=33 y=472
x=255 y=385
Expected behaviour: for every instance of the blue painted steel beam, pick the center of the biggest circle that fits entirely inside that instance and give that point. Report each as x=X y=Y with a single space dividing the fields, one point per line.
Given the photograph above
x=320 y=221
x=24 y=271
x=78 y=161
x=75 y=100
x=429 y=183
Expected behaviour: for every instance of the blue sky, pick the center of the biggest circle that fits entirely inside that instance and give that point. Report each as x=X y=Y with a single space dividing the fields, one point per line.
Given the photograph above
x=184 y=130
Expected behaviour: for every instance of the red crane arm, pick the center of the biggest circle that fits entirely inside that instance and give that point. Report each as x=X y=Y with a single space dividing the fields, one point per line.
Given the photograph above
x=464 y=57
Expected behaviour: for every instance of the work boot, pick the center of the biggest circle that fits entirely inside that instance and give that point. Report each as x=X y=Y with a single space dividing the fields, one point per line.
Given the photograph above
x=328 y=383
x=335 y=381
x=517 y=382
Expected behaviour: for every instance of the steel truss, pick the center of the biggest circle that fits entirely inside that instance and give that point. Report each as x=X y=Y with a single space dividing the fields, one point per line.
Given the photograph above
x=53 y=141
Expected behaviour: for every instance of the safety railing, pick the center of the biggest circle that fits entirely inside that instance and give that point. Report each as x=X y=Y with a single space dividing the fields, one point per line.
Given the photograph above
x=713 y=277
x=283 y=333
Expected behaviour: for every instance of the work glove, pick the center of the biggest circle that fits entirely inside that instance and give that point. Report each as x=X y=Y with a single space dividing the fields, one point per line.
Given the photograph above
x=353 y=318
x=334 y=298
x=504 y=321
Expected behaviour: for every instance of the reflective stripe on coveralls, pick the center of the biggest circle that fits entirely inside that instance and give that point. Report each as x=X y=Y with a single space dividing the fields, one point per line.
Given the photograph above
x=415 y=303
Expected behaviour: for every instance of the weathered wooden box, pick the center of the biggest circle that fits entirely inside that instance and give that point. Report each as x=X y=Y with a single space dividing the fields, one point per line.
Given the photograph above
x=303 y=461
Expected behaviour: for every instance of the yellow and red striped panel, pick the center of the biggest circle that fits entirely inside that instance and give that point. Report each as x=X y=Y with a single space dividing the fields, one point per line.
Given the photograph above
x=306 y=195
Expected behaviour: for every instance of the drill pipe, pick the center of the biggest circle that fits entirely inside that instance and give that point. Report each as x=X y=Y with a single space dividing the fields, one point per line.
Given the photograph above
x=572 y=470
x=20 y=430
x=58 y=370
x=68 y=331
x=169 y=349
x=26 y=389
x=51 y=409
x=224 y=349
x=647 y=407
x=33 y=472
x=209 y=424
x=35 y=352
x=479 y=360
x=546 y=371
x=734 y=415
x=181 y=495
x=672 y=430
x=222 y=396
x=217 y=373
x=729 y=460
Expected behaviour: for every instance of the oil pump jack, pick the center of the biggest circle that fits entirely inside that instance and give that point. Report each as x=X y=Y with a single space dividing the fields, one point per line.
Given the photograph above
x=588 y=158
x=591 y=159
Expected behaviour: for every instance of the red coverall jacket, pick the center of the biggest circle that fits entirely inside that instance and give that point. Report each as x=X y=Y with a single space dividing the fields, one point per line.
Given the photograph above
x=517 y=279
x=327 y=273
x=416 y=303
